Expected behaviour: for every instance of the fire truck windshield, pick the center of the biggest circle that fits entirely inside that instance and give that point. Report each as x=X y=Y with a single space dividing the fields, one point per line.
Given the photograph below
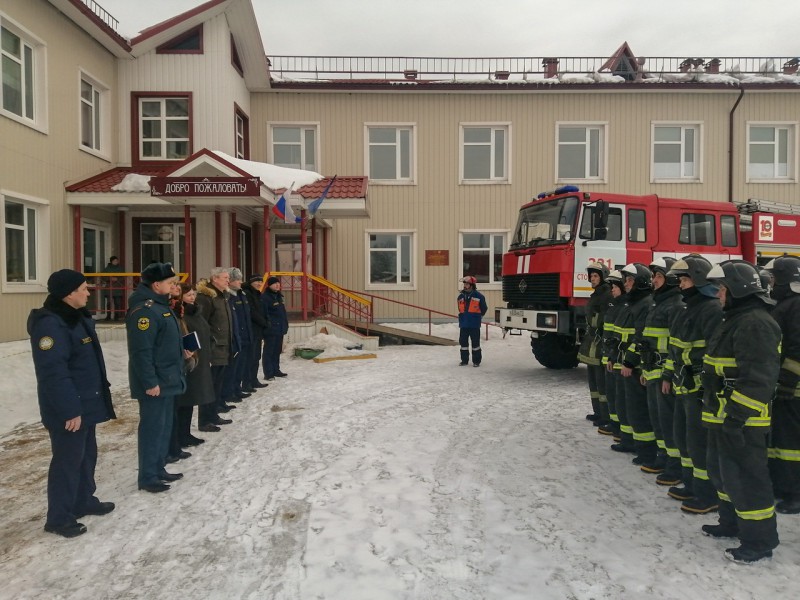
x=546 y=224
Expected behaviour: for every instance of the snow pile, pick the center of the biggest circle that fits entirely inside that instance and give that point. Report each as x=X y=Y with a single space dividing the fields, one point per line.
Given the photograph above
x=331 y=346
x=133 y=182
x=272 y=176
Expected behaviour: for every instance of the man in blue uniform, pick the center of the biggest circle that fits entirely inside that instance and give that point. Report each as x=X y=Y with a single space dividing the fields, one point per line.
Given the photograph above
x=155 y=371
x=74 y=397
x=471 y=308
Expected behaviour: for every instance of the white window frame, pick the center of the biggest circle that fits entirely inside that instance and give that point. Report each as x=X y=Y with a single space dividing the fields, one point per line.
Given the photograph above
x=698 y=151
x=240 y=135
x=412 y=158
x=163 y=119
x=792 y=142
x=504 y=233
x=38 y=51
x=602 y=176
x=101 y=117
x=495 y=126
x=302 y=125
x=412 y=283
x=42 y=243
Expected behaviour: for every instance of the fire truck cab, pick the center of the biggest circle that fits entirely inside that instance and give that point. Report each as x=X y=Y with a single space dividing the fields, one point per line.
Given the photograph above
x=545 y=284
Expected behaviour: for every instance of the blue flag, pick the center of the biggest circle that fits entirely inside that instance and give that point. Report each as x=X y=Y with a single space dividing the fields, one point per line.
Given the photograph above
x=313 y=206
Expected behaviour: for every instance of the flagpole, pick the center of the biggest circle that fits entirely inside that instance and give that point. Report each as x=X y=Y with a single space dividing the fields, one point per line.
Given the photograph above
x=304 y=278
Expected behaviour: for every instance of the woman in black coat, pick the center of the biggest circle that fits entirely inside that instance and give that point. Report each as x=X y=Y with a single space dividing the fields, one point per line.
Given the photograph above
x=199 y=386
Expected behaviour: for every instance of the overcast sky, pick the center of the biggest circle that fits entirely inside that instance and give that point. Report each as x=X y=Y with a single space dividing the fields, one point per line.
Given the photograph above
x=505 y=28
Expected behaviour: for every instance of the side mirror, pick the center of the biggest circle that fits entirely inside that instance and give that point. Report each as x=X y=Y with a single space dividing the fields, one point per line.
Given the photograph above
x=600 y=214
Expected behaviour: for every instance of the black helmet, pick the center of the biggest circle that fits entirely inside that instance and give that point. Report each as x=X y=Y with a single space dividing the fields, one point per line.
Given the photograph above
x=663 y=265
x=599 y=268
x=642 y=277
x=786 y=270
x=693 y=266
x=740 y=277
x=766 y=279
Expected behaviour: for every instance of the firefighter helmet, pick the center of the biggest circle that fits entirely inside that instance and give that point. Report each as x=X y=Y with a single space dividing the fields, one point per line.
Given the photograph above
x=642 y=277
x=740 y=277
x=786 y=271
x=599 y=268
x=663 y=265
x=693 y=266
x=766 y=279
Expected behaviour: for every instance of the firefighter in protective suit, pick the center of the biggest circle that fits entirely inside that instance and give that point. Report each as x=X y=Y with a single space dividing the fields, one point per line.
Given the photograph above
x=591 y=352
x=471 y=308
x=638 y=283
x=784 y=451
x=610 y=350
x=740 y=371
x=618 y=340
x=692 y=327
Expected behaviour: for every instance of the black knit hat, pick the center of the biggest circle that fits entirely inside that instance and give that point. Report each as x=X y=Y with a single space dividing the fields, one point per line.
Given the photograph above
x=255 y=277
x=157 y=272
x=272 y=280
x=62 y=283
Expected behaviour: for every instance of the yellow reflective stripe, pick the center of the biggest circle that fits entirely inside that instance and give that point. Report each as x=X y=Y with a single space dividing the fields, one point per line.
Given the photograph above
x=669 y=365
x=673 y=453
x=756 y=515
x=603 y=398
x=784 y=454
x=645 y=436
x=614 y=417
x=626 y=429
x=719 y=363
x=712 y=418
x=700 y=473
x=661 y=444
x=791 y=365
x=686 y=462
x=626 y=332
x=678 y=343
x=594 y=395
x=656 y=331
x=758 y=422
x=751 y=403
x=651 y=375
x=723 y=496
x=609 y=328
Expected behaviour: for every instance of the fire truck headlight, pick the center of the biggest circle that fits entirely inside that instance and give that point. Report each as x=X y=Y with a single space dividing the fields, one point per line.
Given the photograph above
x=547 y=321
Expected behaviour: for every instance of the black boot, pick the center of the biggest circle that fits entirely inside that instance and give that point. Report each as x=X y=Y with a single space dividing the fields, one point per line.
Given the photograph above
x=720 y=531
x=746 y=555
x=790 y=505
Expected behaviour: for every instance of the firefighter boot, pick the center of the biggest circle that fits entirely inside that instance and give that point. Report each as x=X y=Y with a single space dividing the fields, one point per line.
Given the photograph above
x=746 y=554
x=790 y=505
x=720 y=531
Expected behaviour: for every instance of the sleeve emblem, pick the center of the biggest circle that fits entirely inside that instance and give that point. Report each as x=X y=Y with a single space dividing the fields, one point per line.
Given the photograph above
x=143 y=323
x=46 y=343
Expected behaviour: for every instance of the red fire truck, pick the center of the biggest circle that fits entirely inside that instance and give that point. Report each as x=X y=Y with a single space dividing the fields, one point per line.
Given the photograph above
x=545 y=285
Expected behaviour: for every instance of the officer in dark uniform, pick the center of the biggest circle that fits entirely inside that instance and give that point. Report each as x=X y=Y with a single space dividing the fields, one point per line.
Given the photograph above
x=740 y=372
x=155 y=370
x=74 y=397
x=784 y=451
x=591 y=351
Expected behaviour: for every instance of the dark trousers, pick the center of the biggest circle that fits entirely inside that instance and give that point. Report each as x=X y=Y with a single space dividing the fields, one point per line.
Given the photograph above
x=256 y=351
x=243 y=364
x=741 y=475
x=207 y=413
x=665 y=410
x=638 y=413
x=679 y=434
x=611 y=397
x=697 y=445
x=596 y=376
x=232 y=380
x=784 y=448
x=467 y=335
x=155 y=427
x=174 y=442
x=625 y=429
x=70 y=480
x=273 y=345
x=184 y=424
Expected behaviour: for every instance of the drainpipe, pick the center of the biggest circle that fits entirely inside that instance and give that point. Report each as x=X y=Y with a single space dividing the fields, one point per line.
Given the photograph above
x=730 y=145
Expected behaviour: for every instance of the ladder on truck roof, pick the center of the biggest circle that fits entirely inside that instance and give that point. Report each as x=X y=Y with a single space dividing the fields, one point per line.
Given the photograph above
x=753 y=205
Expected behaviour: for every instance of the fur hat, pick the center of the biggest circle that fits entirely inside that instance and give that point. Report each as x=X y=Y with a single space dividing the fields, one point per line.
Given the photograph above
x=62 y=283
x=157 y=272
x=272 y=280
x=235 y=274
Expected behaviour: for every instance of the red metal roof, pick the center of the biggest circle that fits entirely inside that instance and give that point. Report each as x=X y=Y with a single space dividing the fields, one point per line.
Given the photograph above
x=343 y=187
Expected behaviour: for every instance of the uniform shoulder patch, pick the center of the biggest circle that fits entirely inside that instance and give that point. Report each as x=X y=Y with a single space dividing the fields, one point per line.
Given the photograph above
x=46 y=343
x=166 y=314
x=143 y=323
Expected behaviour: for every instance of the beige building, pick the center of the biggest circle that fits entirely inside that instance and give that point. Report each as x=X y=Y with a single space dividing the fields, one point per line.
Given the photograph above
x=451 y=149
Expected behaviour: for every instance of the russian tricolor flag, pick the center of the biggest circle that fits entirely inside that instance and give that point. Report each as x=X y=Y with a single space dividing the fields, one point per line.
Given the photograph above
x=283 y=209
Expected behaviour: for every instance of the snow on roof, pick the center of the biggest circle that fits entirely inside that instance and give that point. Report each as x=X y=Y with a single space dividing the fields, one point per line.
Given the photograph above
x=272 y=176
x=133 y=182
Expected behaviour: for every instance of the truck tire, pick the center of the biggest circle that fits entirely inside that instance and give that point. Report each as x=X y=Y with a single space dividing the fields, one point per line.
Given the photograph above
x=555 y=351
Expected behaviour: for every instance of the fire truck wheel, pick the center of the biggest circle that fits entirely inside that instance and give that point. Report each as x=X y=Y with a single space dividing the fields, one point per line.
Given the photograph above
x=555 y=351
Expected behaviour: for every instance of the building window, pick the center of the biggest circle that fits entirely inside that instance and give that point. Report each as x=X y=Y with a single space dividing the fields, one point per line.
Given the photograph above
x=581 y=152
x=24 y=241
x=295 y=146
x=390 y=154
x=23 y=67
x=235 y=60
x=162 y=242
x=484 y=153
x=190 y=42
x=675 y=152
x=390 y=261
x=697 y=230
x=242 y=134
x=94 y=115
x=770 y=152
x=164 y=128
x=482 y=255
x=729 y=231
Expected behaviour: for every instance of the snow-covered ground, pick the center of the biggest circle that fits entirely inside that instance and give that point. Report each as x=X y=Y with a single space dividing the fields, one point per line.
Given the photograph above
x=401 y=477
